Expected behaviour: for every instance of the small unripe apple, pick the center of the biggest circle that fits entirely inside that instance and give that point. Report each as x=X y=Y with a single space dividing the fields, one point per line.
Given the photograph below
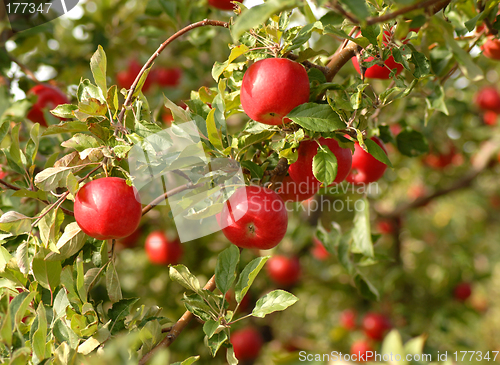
x=363 y=351
x=491 y=48
x=319 y=251
x=348 y=319
x=161 y=251
x=376 y=71
x=48 y=97
x=283 y=270
x=107 y=208
x=247 y=343
x=488 y=98
x=271 y=88
x=462 y=291
x=254 y=217
x=366 y=168
x=301 y=171
x=223 y=4
x=168 y=76
x=295 y=192
x=375 y=325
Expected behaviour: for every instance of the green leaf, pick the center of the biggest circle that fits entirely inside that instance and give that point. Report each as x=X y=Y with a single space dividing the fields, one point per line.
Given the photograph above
x=376 y=151
x=63 y=111
x=182 y=275
x=119 y=312
x=52 y=178
x=362 y=240
x=230 y=356
x=67 y=127
x=365 y=287
x=15 y=223
x=6 y=328
x=256 y=171
x=196 y=305
x=40 y=335
x=33 y=143
x=393 y=344
x=415 y=346
x=316 y=117
x=247 y=277
x=213 y=133
x=219 y=68
x=188 y=361
x=412 y=143
x=47 y=273
x=225 y=270
x=325 y=165
x=113 y=283
x=304 y=35
x=210 y=327
x=72 y=241
x=358 y=8
x=216 y=342
x=274 y=301
x=371 y=32
x=98 y=68
x=81 y=142
x=21 y=310
x=259 y=15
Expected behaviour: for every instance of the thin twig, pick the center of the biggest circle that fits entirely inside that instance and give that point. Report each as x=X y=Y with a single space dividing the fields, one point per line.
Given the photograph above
x=206 y=22
x=308 y=64
x=176 y=329
x=169 y=193
x=433 y=5
x=24 y=68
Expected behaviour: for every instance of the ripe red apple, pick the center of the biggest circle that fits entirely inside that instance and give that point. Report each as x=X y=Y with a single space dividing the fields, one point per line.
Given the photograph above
x=131 y=240
x=289 y=190
x=348 y=319
x=168 y=76
x=363 y=351
x=366 y=168
x=271 y=88
x=301 y=171
x=376 y=71
x=385 y=227
x=223 y=4
x=2 y=173
x=283 y=270
x=48 y=98
x=462 y=291
x=247 y=343
x=319 y=251
x=491 y=48
x=126 y=78
x=107 y=208
x=375 y=325
x=488 y=98
x=161 y=251
x=254 y=217
x=490 y=117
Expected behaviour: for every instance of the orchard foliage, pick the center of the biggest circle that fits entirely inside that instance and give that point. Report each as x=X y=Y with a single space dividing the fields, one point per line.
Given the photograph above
x=403 y=73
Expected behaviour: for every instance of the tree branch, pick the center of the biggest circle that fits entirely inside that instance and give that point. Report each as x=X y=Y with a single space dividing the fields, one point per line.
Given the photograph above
x=206 y=22
x=177 y=328
x=340 y=58
x=433 y=5
x=169 y=193
x=309 y=64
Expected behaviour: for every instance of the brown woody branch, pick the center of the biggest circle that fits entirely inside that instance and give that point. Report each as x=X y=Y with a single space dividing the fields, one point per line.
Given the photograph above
x=309 y=64
x=433 y=5
x=169 y=193
x=176 y=329
x=149 y=63
x=24 y=68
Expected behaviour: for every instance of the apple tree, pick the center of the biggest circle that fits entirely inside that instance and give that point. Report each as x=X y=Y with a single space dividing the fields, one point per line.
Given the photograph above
x=249 y=182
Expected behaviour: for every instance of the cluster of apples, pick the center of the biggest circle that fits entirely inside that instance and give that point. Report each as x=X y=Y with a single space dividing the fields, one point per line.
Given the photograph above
x=270 y=89
x=168 y=77
x=488 y=100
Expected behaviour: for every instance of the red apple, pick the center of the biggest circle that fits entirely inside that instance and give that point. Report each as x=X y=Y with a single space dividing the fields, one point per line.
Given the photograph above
x=107 y=208
x=161 y=251
x=490 y=117
x=295 y=192
x=168 y=76
x=361 y=351
x=247 y=343
x=319 y=251
x=48 y=98
x=491 y=48
x=462 y=291
x=385 y=227
x=441 y=160
x=366 y=168
x=271 y=88
x=375 y=325
x=283 y=270
x=488 y=98
x=3 y=174
x=348 y=319
x=223 y=4
x=254 y=217
x=376 y=71
x=301 y=171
